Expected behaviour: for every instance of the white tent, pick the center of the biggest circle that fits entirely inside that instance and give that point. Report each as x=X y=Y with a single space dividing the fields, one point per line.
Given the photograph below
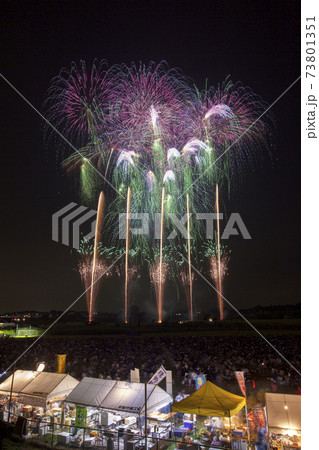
x=122 y=396
x=283 y=413
x=90 y=391
x=37 y=388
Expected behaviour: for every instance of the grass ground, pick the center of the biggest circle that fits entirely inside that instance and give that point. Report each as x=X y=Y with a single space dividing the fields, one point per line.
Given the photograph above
x=9 y=445
x=233 y=327
x=23 y=332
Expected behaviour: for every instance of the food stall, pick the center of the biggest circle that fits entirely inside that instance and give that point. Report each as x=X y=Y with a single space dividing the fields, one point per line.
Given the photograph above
x=117 y=409
x=283 y=413
x=222 y=426
x=36 y=395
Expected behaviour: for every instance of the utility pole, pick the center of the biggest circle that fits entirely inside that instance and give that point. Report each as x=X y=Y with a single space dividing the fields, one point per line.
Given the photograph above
x=11 y=390
x=145 y=411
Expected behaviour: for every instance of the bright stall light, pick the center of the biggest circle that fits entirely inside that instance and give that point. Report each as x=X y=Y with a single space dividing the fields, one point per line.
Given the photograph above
x=40 y=367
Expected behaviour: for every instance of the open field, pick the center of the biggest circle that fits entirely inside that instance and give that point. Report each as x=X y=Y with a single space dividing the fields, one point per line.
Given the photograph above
x=228 y=328
x=22 y=332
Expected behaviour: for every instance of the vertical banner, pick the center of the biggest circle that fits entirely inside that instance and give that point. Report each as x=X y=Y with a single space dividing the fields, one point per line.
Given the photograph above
x=61 y=359
x=158 y=376
x=199 y=381
x=259 y=415
x=80 y=417
x=135 y=375
x=241 y=381
x=169 y=382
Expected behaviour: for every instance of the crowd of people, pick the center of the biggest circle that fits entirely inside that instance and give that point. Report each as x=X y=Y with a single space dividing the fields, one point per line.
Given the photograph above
x=187 y=356
x=219 y=357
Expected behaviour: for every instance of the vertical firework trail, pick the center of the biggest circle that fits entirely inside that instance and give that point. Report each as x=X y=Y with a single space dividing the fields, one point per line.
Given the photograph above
x=98 y=232
x=126 y=299
x=219 y=293
x=160 y=295
x=189 y=262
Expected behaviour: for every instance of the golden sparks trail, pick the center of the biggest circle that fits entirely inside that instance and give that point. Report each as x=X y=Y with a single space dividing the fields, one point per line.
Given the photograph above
x=190 y=278
x=160 y=294
x=128 y=209
x=98 y=232
x=220 y=298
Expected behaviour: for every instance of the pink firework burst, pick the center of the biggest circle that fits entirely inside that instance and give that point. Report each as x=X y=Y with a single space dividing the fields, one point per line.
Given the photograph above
x=152 y=100
x=229 y=118
x=78 y=101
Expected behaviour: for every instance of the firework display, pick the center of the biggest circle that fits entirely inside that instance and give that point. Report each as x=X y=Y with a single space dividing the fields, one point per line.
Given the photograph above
x=95 y=262
x=219 y=265
x=154 y=144
x=218 y=258
x=93 y=265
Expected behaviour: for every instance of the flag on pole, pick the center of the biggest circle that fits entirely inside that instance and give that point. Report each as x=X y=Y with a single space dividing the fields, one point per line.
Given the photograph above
x=80 y=416
x=241 y=381
x=199 y=381
x=61 y=360
x=158 y=376
x=135 y=375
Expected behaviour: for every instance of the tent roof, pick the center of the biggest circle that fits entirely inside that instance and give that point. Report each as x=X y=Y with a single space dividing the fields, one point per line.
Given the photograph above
x=210 y=400
x=280 y=420
x=90 y=391
x=21 y=379
x=39 y=384
x=118 y=395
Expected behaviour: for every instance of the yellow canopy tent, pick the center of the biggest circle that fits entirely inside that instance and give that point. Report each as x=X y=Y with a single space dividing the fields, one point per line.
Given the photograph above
x=210 y=400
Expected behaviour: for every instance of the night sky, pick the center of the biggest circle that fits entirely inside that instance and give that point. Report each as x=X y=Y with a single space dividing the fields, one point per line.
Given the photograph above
x=257 y=43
